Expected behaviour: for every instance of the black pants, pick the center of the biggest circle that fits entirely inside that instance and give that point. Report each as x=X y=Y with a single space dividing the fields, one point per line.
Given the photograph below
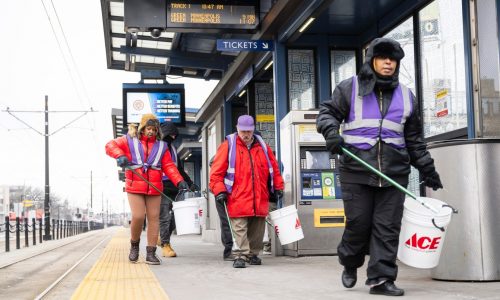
x=167 y=220
x=226 y=238
x=372 y=227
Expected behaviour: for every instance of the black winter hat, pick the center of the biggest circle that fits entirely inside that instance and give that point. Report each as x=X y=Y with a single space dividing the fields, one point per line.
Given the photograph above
x=379 y=47
x=169 y=128
x=387 y=48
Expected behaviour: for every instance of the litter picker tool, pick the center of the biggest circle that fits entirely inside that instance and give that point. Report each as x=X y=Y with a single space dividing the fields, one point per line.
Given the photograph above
x=235 y=245
x=150 y=184
x=394 y=183
x=401 y=188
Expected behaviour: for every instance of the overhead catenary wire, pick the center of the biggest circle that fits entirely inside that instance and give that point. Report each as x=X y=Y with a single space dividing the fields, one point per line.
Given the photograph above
x=77 y=71
x=66 y=63
x=69 y=67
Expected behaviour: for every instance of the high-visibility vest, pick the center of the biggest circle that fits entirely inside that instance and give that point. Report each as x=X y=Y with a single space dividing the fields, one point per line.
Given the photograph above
x=229 y=178
x=365 y=126
x=154 y=159
x=173 y=154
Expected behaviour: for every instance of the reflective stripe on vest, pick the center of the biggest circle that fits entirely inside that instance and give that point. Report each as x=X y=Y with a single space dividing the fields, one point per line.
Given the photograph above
x=365 y=125
x=173 y=154
x=229 y=178
x=154 y=159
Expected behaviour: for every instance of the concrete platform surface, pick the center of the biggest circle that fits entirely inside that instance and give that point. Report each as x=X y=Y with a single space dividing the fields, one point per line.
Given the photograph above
x=200 y=273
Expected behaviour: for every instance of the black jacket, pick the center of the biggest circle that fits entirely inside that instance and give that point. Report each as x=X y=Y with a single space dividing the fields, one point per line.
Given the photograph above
x=169 y=188
x=391 y=161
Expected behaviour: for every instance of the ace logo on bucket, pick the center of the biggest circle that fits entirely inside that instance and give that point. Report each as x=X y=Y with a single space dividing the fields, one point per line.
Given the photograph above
x=423 y=243
x=297 y=224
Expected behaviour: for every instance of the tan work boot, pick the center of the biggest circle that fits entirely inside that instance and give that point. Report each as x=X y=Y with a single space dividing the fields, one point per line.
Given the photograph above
x=167 y=251
x=158 y=243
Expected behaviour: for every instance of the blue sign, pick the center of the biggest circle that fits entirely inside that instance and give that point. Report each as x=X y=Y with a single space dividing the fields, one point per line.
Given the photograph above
x=245 y=45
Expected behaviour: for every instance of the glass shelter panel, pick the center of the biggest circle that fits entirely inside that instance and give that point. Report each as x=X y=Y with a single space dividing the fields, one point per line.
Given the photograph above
x=343 y=65
x=301 y=79
x=489 y=70
x=443 y=67
x=403 y=33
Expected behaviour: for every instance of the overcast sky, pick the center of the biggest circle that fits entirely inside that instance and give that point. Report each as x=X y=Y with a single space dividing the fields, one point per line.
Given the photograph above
x=32 y=67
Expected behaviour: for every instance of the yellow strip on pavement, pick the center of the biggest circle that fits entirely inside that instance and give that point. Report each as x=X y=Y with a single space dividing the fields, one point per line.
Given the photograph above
x=114 y=277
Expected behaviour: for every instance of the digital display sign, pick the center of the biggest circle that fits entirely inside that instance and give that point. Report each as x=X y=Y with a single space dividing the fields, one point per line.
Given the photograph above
x=166 y=102
x=212 y=14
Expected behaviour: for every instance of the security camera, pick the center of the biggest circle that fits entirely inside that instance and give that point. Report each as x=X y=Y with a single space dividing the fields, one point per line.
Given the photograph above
x=155 y=32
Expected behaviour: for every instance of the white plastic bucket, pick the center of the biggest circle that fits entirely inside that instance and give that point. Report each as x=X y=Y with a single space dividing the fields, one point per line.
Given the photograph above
x=202 y=209
x=287 y=224
x=187 y=219
x=420 y=242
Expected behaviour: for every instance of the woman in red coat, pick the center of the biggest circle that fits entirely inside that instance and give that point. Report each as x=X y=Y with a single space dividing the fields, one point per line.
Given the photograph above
x=143 y=151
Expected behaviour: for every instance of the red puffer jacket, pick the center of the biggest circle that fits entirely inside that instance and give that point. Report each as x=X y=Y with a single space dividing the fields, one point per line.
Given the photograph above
x=133 y=183
x=250 y=195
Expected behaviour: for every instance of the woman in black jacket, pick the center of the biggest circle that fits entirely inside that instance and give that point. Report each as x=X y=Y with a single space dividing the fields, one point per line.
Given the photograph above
x=377 y=118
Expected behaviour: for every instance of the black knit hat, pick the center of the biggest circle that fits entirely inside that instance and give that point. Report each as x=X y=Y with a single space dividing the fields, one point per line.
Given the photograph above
x=169 y=128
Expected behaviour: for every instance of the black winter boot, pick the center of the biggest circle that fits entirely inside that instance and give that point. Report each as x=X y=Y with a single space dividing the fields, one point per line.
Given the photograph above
x=239 y=263
x=151 y=257
x=387 y=288
x=134 y=251
x=349 y=277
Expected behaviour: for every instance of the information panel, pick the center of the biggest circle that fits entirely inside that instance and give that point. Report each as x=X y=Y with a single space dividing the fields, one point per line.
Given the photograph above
x=165 y=102
x=212 y=14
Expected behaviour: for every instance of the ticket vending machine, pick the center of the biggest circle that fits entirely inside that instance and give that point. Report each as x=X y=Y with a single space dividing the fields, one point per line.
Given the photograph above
x=312 y=185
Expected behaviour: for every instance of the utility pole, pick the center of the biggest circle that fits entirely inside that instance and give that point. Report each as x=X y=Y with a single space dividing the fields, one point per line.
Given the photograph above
x=46 y=203
x=46 y=134
x=90 y=189
x=107 y=210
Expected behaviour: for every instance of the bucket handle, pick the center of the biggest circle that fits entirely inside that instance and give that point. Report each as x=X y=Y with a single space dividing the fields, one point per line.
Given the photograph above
x=179 y=193
x=453 y=210
x=438 y=227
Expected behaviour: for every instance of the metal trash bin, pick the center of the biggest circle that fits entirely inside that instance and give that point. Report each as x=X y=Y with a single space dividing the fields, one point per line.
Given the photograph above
x=470 y=172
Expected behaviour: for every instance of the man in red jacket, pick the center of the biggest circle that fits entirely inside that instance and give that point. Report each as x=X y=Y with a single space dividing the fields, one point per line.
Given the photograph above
x=243 y=174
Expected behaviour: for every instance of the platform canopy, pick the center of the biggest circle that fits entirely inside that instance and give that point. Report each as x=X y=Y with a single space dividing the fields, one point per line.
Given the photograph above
x=186 y=54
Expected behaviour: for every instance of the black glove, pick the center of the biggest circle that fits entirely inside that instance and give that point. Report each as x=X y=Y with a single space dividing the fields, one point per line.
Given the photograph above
x=194 y=188
x=183 y=185
x=278 y=194
x=221 y=198
x=334 y=142
x=122 y=161
x=433 y=181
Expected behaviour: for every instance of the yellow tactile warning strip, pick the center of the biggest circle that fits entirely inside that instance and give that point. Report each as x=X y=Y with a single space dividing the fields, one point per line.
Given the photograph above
x=114 y=277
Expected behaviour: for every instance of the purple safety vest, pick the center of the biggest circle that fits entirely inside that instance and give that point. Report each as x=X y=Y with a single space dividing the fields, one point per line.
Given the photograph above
x=173 y=154
x=154 y=159
x=365 y=125
x=229 y=178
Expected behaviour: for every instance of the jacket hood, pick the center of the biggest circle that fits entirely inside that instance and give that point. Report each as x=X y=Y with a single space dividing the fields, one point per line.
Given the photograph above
x=379 y=47
x=169 y=128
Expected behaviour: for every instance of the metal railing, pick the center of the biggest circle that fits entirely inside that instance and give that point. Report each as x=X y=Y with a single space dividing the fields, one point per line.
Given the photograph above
x=60 y=229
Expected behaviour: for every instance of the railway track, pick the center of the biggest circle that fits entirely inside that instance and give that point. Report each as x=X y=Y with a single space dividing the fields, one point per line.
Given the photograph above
x=38 y=275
